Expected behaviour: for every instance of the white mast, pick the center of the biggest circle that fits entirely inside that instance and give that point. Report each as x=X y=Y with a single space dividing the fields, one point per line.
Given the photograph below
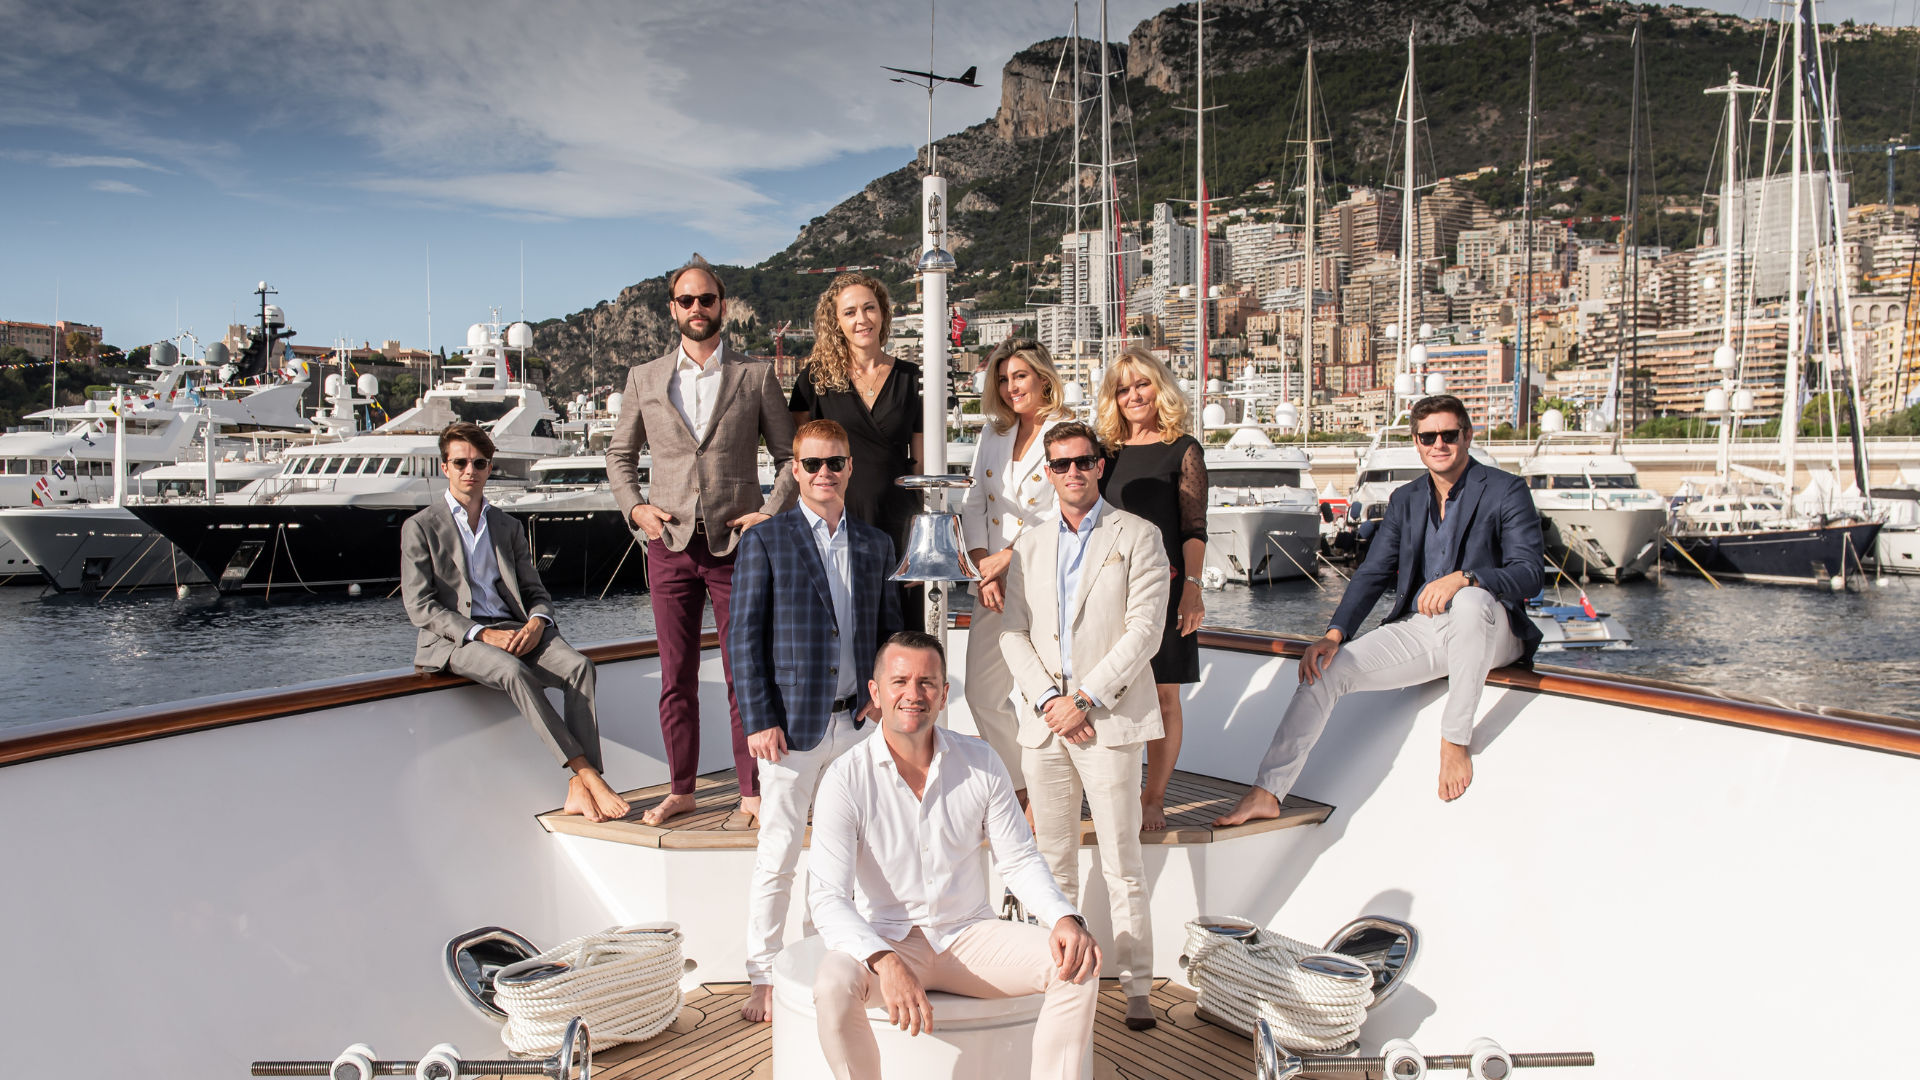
x=1076 y=310
x=1306 y=319
x=1200 y=193
x=1790 y=404
x=1836 y=212
x=1111 y=272
x=1726 y=357
x=1401 y=353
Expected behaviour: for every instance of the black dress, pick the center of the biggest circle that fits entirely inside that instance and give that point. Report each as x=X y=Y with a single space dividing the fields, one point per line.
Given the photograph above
x=1166 y=483
x=880 y=440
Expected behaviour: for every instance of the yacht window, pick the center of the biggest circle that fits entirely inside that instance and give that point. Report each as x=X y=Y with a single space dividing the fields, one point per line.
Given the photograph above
x=332 y=466
x=352 y=466
x=39 y=467
x=229 y=485
x=578 y=474
x=1253 y=478
x=1391 y=476
x=390 y=465
x=505 y=468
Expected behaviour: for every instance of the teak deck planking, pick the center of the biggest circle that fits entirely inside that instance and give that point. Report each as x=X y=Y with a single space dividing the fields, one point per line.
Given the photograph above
x=1193 y=801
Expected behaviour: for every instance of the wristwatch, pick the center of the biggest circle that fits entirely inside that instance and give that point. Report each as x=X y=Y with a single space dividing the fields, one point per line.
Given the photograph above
x=1472 y=578
x=1082 y=702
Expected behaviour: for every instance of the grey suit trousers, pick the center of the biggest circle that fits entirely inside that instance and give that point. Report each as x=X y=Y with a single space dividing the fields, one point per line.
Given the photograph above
x=1463 y=643
x=553 y=663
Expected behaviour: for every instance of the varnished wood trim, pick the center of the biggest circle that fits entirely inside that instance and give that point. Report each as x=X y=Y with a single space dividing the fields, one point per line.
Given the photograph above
x=78 y=734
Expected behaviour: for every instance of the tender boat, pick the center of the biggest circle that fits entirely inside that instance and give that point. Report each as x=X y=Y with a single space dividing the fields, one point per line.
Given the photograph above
x=1263 y=517
x=1597 y=519
x=278 y=875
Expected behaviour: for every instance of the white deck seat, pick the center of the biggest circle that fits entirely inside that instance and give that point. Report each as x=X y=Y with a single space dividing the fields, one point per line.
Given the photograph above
x=972 y=1038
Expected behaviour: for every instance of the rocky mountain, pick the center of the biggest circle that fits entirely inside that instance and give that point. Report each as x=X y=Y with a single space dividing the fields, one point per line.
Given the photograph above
x=1473 y=83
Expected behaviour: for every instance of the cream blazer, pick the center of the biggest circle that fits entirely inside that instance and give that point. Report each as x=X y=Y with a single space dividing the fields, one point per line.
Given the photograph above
x=1119 y=617
x=1007 y=496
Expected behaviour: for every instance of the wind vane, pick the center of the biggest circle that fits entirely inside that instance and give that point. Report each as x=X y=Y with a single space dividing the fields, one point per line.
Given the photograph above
x=913 y=79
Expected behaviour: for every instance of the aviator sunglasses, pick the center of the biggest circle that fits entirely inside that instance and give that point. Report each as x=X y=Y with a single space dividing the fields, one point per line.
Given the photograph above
x=687 y=300
x=1086 y=462
x=836 y=463
x=1448 y=436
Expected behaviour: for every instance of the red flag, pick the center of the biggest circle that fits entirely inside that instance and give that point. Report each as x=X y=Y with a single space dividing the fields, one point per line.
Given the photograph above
x=1587 y=606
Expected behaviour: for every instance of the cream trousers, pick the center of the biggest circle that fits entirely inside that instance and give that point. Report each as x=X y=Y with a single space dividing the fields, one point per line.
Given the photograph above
x=1057 y=774
x=991 y=959
x=787 y=788
x=988 y=687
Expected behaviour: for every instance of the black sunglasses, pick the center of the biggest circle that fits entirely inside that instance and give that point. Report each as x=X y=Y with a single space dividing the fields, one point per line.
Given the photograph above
x=687 y=300
x=1449 y=436
x=836 y=463
x=460 y=464
x=1086 y=462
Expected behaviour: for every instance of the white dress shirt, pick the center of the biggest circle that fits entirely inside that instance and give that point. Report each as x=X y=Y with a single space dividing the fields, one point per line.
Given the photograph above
x=693 y=388
x=483 y=570
x=884 y=862
x=838 y=560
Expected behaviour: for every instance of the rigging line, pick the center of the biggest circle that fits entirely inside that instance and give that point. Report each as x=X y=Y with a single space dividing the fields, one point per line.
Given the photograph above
x=129 y=570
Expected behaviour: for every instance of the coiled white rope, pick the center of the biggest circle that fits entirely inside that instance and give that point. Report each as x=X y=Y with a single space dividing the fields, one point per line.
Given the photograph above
x=624 y=982
x=1241 y=981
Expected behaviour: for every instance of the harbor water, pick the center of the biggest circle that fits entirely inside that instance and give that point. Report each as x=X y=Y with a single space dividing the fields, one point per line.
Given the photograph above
x=76 y=655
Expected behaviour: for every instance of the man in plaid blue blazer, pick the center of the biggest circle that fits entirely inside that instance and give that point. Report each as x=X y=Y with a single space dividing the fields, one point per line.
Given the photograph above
x=810 y=608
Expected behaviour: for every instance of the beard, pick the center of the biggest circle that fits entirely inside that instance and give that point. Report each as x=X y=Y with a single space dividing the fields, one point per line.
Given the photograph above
x=688 y=331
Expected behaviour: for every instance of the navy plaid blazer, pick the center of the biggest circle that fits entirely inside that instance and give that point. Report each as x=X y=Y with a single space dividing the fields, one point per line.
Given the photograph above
x=782 y=639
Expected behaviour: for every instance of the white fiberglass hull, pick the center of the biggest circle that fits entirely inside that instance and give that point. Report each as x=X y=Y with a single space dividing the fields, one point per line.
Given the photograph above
x=1251 y=544
x=1612 y=544
x=283 y=887
x=96 y=547
x=1897 y=549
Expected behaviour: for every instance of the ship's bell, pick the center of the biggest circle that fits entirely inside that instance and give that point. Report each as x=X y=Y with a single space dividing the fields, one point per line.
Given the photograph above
x=936 y=548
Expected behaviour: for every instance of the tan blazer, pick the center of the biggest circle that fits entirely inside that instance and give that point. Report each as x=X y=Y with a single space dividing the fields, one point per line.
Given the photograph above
x=434 y=585
x=1119 y=618
x=721 y=473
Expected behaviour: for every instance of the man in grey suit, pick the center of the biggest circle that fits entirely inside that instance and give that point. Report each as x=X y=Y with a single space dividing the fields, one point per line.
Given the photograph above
x=470 y=586
x=703 y=410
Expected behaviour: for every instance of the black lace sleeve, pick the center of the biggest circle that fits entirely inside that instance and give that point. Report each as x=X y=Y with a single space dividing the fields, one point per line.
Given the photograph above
x=1193 y=494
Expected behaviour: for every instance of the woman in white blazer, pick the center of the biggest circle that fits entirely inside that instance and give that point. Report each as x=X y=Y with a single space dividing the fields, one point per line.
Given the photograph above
x=1023 y=397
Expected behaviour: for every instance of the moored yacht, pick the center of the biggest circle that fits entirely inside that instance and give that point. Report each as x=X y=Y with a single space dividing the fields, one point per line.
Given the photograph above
x=1597 y=519
x=1390 y=460
x=574 y=527
x=1745 y=536
x=1263 y=517
x=332 y=515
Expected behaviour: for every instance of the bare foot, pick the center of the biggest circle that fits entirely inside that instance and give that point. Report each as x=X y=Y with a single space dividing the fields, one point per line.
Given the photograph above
x=759 y=1006
x=578 y=801
x=1153 y=812
x=670 y=807
x=750 y=804
x=1456 y=770
x=603 y=803
x=1257 y=804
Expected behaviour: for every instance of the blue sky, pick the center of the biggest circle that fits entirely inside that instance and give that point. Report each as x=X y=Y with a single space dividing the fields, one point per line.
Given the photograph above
x=163 y=158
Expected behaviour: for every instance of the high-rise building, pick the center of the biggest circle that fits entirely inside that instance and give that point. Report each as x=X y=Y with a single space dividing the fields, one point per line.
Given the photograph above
x=1763 y=210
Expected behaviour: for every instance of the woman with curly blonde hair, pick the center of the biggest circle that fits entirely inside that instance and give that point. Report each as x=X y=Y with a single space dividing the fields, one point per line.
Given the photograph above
x=850 y=380
x=1159 y=472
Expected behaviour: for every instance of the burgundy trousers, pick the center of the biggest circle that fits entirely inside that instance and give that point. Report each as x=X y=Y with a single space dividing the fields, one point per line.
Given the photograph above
x=680 y=583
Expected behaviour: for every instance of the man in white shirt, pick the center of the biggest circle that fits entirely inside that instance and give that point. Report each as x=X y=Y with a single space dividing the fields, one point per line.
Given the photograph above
x=811 y=604
x=1085 y=610
x=900 y=892
x=470 y=585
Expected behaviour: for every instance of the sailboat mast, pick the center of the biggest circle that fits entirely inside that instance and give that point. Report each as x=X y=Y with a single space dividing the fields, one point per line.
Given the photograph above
x=1306 y=320
x=1630 y=252
x=1200 y=195
x=1113 y=272
x=1523 y=398
x=1836 y=214
x=1406 y=226
x=1729 y=260
x=1790 y=403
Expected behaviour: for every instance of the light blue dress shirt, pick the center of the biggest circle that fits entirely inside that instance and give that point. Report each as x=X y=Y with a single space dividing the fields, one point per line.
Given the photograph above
x=1069 y=555
x=838 y=559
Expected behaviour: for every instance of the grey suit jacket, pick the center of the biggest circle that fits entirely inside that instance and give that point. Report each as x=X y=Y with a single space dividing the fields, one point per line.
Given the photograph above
x=1119 y=616
x=433 y=578
x=720 y=473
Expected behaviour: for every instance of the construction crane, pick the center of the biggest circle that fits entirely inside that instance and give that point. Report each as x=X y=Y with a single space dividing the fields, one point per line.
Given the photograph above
x=1888 y=148
x=837 y=269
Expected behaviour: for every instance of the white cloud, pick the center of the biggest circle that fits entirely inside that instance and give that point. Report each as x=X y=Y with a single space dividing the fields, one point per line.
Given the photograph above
x=116 y=187
x=78 y=161
x=576 y=109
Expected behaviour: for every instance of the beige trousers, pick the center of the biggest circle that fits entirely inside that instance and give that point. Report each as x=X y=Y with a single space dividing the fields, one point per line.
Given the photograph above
x=1057 y=773
x=989 y=685
x=991 y=959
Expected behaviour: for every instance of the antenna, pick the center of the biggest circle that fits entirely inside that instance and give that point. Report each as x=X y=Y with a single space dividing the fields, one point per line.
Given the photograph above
x=913 y=79
x=523 y=281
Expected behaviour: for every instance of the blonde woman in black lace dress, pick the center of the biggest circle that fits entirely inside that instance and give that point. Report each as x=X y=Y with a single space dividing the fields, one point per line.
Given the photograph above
x=1159 y=472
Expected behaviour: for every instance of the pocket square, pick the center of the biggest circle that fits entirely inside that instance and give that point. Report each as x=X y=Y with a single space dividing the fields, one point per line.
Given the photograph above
x=1116 y=557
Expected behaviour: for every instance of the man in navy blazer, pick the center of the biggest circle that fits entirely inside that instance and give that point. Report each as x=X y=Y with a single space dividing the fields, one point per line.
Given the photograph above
x=811 y=606
x=1462 y=550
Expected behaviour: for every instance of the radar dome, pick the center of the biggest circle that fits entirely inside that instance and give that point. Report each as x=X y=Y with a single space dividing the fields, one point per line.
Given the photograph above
x=1417 y=356
x=1436 y=384
x=1215 y=415
x=276 y=317
x=1716 y=401
x=163 y=353
x=1215 y=386
x=368 y=384
x=1406 y=384
x=217 y=353
x=1723 y=358
x=332 y=385
x=1075 y=394
x=614 y=402
x=519 y=336
x=1553 y=420
x=478 y=335
x=1743 y=401
x=1286 y=416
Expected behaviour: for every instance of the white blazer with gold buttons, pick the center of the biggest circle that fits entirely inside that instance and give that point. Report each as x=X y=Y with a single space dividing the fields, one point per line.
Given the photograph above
x=1007 y=496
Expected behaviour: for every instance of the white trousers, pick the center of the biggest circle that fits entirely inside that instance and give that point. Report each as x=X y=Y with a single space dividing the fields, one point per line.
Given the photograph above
x=1057 y=773
x=989 y=686
x=787 y=788
x=1469 y=639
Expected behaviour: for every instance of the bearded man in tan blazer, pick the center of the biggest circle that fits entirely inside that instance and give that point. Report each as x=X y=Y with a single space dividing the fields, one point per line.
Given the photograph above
x=703 y=410
x=1086 y=606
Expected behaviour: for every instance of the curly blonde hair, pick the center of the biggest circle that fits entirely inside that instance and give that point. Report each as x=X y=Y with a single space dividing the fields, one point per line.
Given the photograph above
x=1053 y=392
x=1172 y=402
x=832 y=355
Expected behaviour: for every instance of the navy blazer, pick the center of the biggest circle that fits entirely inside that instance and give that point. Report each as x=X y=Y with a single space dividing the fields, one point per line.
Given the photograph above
x=782 y=637
x=1497 y=537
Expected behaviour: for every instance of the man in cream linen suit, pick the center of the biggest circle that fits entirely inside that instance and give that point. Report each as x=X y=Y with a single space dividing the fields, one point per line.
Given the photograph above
x=1086 y=603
